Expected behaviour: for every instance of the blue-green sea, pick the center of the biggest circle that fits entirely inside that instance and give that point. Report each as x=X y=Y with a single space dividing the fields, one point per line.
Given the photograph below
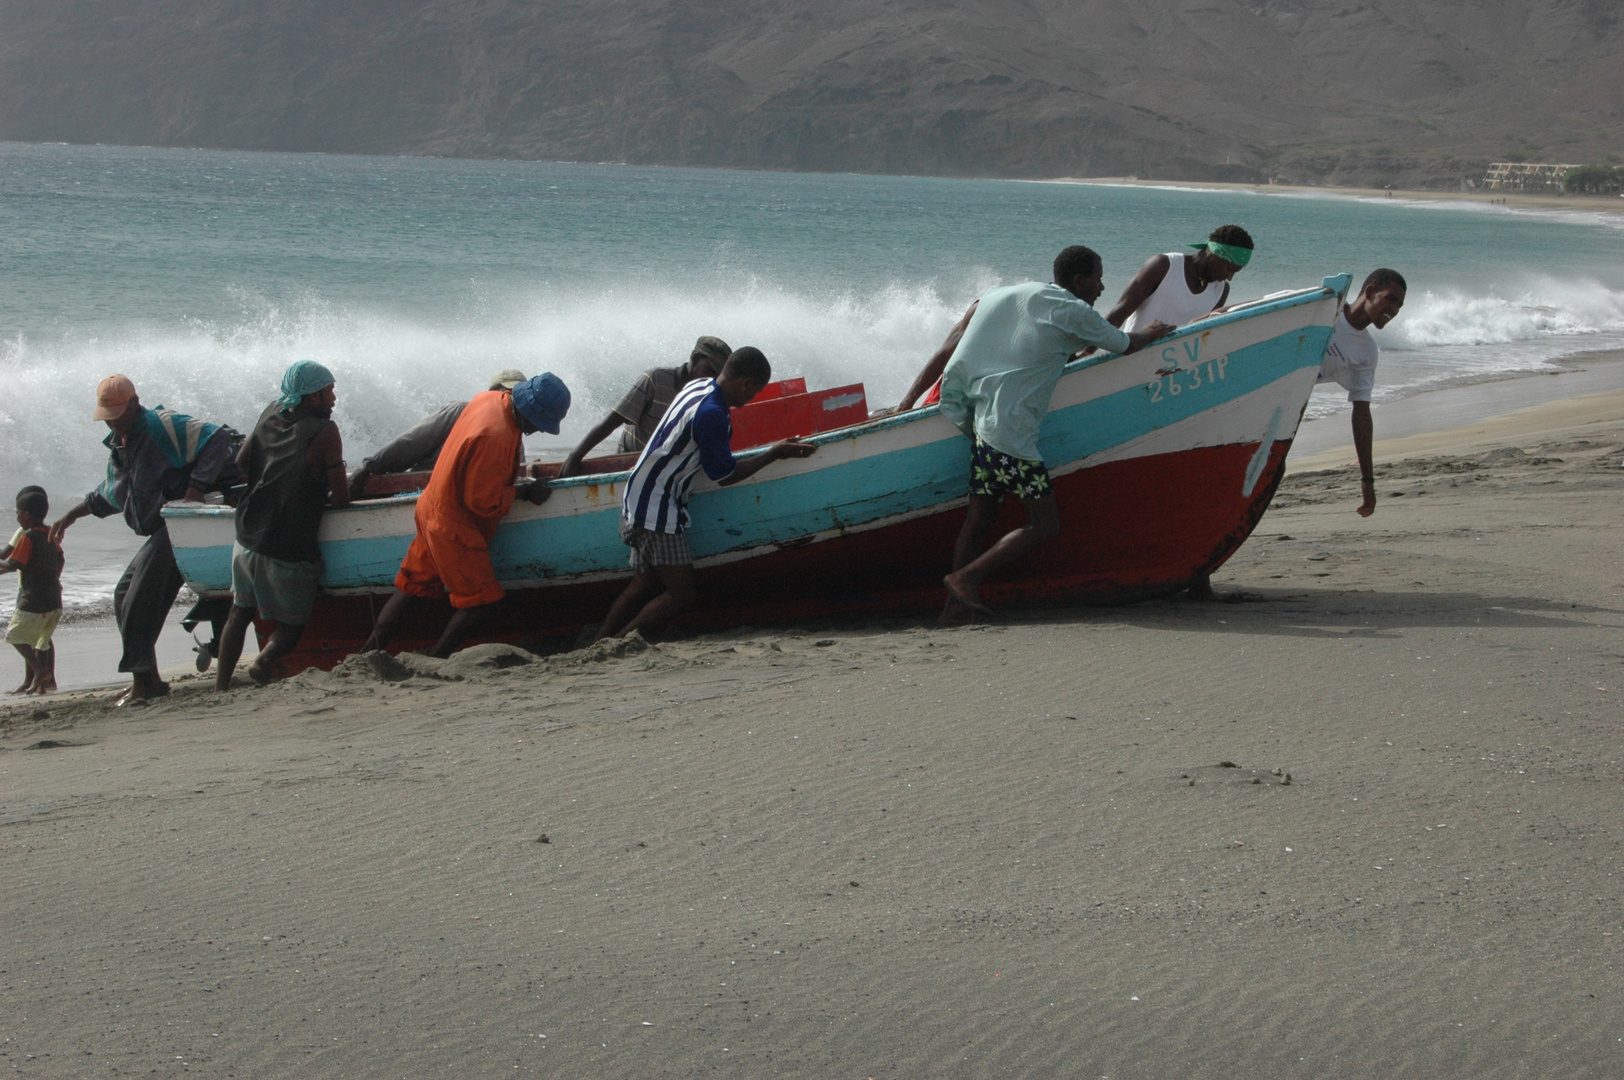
x=202 y=274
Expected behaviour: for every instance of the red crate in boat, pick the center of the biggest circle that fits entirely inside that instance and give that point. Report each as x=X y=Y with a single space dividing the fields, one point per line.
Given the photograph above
x=766 y=421
x=785 y=388
x=839 y=407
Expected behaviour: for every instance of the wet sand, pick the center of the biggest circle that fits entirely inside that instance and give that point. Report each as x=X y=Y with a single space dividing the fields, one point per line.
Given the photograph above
x=1446 y=412
x=1060 y=845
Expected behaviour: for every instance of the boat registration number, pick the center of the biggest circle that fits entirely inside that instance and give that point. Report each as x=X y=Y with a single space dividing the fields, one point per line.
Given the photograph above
x=1174 y=379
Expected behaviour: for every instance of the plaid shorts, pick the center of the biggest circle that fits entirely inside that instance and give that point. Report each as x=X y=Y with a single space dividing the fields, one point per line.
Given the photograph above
x=993 y=472
x=651 y=549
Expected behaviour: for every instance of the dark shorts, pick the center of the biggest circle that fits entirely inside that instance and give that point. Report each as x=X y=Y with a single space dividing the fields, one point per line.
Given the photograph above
x=993 y=472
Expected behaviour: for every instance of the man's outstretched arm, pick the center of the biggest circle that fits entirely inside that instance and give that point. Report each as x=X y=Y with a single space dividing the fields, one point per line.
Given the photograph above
x=938 y=361
x=605 y=428
x=1363 y=429
x=1146 y=281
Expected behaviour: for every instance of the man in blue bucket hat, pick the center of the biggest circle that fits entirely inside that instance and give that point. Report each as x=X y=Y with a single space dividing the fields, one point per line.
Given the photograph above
x=472 y=488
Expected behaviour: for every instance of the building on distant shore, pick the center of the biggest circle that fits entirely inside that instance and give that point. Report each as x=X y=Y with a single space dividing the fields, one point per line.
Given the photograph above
x=1525 y=176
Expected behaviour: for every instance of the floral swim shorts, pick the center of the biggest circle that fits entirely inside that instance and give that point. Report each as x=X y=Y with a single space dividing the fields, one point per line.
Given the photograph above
x=993 y=472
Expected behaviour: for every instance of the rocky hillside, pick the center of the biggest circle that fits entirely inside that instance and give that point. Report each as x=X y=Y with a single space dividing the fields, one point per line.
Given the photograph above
x=1411 y=91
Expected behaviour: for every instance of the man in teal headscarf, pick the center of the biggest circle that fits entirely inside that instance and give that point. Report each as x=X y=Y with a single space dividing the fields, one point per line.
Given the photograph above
x=302 y=379
x=294 y=463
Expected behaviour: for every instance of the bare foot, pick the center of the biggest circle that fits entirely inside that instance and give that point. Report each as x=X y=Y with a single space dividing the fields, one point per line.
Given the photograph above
x=46 y=687
x=260 y=675
x=966 y=597
x=23 y=689
x=142 y=690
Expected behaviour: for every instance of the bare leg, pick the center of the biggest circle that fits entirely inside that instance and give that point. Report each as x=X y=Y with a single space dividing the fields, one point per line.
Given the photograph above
x=394 y=609
x=972 y=541
x=29 y=673
x=978 y=521
x=45 y=670
x=628 y=603
x=679 y=595
x=464 y=621
x=231 y=640
x=1042 y=525
x=283 y=639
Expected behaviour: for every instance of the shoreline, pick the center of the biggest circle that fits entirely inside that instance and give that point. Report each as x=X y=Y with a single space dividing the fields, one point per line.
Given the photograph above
x=1433 y=412
x=1511 y=200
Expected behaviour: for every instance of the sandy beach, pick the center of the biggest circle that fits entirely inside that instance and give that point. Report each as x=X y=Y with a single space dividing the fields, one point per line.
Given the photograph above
x=1605 y=204
x=1360 y=820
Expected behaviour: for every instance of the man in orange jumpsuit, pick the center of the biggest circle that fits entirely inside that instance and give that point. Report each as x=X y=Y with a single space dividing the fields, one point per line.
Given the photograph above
x=471 y=490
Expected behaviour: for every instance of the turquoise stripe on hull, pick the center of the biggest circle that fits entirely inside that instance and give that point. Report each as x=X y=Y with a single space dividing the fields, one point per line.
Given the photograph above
x=1095 y=426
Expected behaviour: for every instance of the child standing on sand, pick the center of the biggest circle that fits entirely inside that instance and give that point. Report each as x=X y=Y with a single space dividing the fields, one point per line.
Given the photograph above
x=38 y=563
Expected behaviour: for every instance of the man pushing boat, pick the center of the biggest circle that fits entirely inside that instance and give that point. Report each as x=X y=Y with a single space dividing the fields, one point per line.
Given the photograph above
x=155 y=456
x=996 y=389
x=695 y=434
x=417 y=448
x=294 y=464
x=1181 y=287
x=474 y=485
x=639 y=413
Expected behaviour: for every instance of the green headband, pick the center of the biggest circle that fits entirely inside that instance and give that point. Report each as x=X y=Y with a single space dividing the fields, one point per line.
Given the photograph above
x=1238 y=256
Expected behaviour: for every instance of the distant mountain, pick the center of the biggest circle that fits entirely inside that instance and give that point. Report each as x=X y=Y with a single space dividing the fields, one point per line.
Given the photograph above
x=1408 y=91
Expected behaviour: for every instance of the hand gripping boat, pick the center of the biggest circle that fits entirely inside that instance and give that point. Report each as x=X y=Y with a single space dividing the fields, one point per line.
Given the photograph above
x=1163 y=462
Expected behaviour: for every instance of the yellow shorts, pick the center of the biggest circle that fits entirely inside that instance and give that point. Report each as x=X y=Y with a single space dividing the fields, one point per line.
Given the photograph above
x=33 y=628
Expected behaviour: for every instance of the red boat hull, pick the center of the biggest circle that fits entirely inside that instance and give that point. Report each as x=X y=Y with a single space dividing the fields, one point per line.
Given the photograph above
x=1130 y=529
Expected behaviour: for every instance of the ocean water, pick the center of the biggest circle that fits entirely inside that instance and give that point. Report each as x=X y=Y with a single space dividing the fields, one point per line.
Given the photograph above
x=202 y=274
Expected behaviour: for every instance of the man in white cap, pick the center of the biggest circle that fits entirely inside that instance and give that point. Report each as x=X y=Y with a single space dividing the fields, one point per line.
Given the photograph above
x=417 y=448
x=154 y=456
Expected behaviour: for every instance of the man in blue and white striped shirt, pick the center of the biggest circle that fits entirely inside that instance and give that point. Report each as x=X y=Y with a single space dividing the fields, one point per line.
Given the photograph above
x=695 y=433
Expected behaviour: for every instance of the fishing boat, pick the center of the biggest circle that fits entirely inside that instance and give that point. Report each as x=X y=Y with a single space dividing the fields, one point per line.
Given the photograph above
x=1163 y=461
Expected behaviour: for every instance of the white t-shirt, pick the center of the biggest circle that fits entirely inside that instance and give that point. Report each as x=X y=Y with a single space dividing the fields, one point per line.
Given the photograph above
x=1350 y=360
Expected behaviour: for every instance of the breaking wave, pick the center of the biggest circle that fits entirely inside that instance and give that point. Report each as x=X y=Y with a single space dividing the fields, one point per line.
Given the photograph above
x=394 y=367
x=1545 y=309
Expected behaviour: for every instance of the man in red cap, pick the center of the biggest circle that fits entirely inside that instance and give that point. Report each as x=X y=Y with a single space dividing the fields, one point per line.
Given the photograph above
x=154 y=456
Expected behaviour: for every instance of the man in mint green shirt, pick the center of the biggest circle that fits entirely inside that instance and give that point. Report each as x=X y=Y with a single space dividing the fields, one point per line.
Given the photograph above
x=996 y=389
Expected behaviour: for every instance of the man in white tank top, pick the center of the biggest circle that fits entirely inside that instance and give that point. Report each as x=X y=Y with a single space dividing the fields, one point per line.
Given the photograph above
x=1180 y=288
